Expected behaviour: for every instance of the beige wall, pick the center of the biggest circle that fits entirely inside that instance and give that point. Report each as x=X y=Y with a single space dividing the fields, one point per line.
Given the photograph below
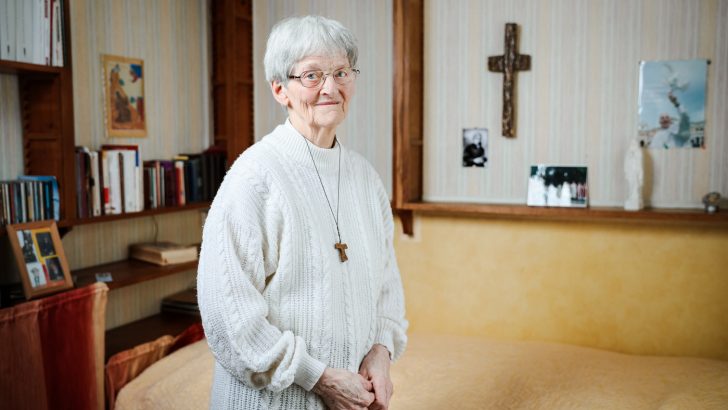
x=626 y=287
x=171 y=36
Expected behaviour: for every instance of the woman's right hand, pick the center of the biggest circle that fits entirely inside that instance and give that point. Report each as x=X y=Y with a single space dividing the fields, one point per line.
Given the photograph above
x=343 y=390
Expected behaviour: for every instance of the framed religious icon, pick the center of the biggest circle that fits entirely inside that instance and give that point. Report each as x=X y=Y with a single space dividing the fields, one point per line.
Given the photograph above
x=124 y=96
x=40 y=258
x=672 y=103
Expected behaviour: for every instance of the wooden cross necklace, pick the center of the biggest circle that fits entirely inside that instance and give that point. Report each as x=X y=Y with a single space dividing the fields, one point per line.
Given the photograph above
x=339 y=246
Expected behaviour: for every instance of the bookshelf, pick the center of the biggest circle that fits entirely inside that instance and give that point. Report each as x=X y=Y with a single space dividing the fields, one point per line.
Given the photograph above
x=46 y=99
x=46 y=95
x=232 y=101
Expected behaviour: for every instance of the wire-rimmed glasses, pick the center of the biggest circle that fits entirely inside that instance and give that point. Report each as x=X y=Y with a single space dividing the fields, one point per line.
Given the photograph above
x=314 y=78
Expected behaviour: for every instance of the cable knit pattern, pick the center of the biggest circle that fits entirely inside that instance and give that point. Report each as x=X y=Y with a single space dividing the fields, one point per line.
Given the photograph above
x=277 y=304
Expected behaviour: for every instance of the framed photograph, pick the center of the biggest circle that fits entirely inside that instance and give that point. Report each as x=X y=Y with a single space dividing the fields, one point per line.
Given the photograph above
x=672 y=103
x=124 y=96
x=558 y=186
x=475 y=147
x=41 y=261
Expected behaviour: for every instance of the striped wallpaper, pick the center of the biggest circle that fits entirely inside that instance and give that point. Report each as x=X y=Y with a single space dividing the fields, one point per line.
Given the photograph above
x=171 y=36
x=368 y=128
x=578 y=103
x=11 y=129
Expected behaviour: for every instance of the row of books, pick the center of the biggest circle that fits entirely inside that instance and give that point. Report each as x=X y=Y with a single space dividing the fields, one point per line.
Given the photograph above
x=115 y=180
x=28 y=199
x=31 y=31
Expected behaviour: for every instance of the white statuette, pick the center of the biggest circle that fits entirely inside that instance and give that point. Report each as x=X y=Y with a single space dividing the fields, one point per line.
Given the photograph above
x=634 y=173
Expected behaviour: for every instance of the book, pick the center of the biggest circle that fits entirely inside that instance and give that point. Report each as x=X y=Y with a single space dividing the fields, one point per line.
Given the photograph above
x=182 y=302
x=194 y=177
x=83 y=182
x=57 y=33
x=51 y=196
x=168 y=183
x=133 y=176
x=3 y=30
x=27 y=25
x=94 y=183
x=7 y=26
x=163 y=253
x=179 y=168
x=112 y=181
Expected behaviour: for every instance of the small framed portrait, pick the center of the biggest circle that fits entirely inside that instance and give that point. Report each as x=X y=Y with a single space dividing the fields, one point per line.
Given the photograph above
x=124 y=96
x=475 y=147
x=41 y=261
x=558 y=186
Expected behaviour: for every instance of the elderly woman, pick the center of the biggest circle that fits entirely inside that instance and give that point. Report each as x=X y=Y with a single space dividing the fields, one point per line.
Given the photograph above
x=298 y=285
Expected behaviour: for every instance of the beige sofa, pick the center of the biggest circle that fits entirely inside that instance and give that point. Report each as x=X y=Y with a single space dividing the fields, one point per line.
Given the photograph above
x=455 y=372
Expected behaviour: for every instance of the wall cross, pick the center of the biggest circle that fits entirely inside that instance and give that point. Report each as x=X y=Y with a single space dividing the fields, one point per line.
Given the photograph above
x=508 y=64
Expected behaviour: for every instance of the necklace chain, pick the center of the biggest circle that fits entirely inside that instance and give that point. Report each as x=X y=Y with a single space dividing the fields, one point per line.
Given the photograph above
x=338 y=185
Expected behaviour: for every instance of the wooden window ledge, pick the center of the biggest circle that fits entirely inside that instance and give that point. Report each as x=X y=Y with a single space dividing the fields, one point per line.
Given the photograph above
x=591 y=214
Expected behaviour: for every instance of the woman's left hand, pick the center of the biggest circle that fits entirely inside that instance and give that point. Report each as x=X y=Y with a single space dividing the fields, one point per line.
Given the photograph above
x=375 y=368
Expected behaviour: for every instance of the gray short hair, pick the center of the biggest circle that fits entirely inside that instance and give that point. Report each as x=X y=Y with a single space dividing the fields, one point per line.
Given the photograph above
x=296 y=38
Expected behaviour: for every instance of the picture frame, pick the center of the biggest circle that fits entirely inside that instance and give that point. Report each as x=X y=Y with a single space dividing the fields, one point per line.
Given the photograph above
x=558 y=186
x=40 y=258
x=475 y=147
x=672 y=103
x=124 y=101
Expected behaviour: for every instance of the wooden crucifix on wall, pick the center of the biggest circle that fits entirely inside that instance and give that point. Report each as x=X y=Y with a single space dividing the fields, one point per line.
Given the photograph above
x=508 y=64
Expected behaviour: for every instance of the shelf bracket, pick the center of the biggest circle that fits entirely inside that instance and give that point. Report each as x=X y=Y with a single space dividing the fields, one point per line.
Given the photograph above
x=407 y=219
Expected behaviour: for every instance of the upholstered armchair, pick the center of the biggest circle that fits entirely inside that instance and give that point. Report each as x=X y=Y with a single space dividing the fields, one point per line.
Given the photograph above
x=52 y=353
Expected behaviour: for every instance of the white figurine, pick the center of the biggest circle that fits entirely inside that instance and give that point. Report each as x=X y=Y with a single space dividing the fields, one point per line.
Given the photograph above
x=634 y=173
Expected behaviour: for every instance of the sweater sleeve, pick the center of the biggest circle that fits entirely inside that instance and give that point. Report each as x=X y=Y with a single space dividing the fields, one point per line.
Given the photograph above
x=392 y=326
x=231 y=278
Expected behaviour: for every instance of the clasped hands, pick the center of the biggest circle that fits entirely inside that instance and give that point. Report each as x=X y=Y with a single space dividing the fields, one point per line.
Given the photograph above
x=370 y=389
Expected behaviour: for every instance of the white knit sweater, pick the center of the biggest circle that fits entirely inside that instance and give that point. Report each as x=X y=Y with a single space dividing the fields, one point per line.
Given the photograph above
x=277 y=304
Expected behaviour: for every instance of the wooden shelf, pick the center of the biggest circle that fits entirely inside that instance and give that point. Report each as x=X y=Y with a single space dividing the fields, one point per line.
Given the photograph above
x=603 y=214
x=67 y=223
x=16 y=67
x=129 y=272
x=146 y=212
x=146 y=330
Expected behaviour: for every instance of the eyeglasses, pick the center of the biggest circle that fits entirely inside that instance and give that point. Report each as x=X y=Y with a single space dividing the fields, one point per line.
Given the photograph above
x=314 y=78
